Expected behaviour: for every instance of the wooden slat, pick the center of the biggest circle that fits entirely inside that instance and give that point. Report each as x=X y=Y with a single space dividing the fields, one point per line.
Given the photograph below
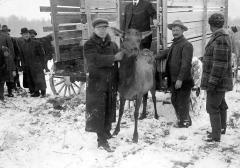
x=81 y=18
x=78 y=10
x=66 y=27
x=68 y=2
x=71 y=18
x=61 y=28
x=216 y=3
x=70 y=41
x=92 y=3
x=185 y=16
x=102 y=3
x=69 y=34
x=185 y=3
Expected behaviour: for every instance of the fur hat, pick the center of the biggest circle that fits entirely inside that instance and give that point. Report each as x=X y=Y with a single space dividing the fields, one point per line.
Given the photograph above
x=177 y=23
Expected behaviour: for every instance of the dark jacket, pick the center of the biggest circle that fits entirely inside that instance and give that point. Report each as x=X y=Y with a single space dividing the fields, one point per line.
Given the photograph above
x=101 y=86
x=179 y=61
x=5 y=40
x=139 y=16
x=217 y=69
x=32 y=60
x=6 y=66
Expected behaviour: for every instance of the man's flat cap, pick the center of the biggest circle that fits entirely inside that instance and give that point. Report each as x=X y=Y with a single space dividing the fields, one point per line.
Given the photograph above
x=100 y=21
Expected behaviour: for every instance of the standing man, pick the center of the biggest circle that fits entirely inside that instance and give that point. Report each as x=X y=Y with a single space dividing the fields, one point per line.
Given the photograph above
x=217 y=76
x=138 y=15
x=6 y=66
x=6 y=41
x=46 y=46
x=178 y=70
x=32 y=60
x=99 y=52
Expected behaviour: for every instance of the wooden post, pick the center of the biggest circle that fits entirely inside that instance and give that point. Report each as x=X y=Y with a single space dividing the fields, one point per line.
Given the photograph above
x=89 y=19
x=204 y=26
x=55 y=29
x=226 y=13
x=158 y=27
x=164 y=23
x=164 y=32
x=118 y=6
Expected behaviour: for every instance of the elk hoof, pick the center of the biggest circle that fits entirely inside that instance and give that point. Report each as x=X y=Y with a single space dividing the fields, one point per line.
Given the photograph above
x=156 y=117
x=115 y=132
x=143 y=116
x=135 y=138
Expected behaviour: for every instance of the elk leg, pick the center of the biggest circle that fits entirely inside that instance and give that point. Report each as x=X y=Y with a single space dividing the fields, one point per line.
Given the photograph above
x=144 y=113
x=122 y=103
x=136 y=113
x=154 y=104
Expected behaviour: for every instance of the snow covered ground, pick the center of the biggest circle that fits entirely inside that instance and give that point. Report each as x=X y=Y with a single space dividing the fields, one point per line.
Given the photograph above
x=48 y=133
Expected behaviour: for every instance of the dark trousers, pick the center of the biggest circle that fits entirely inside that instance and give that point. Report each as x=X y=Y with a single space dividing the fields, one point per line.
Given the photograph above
x=102 y=133
x=10 y=86
x=2 y=90
x=181 y=102
x=16 y=80
x=217 y=109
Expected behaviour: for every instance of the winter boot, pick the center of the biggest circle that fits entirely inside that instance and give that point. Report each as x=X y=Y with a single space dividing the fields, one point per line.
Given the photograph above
x=35 y=94
x=43 y=93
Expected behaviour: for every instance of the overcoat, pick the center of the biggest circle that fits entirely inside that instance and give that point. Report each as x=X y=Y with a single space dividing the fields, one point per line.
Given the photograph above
x=5 y=41
x=32 y=60
x=101 y=84
x=6 y=66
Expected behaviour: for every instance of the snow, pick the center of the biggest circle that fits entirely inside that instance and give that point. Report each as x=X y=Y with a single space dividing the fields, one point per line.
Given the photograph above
x=33 y=134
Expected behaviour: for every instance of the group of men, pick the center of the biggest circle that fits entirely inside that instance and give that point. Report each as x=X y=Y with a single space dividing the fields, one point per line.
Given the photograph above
x=21 y=54
x=102 y=54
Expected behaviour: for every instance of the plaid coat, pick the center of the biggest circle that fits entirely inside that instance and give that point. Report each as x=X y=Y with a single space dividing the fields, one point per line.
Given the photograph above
x=217 y=70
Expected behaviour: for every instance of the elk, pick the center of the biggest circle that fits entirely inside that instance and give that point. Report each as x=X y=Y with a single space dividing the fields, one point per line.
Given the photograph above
x=136 y=74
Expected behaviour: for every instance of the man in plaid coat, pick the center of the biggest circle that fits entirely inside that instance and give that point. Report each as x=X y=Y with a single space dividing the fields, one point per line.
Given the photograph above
x=217 y=76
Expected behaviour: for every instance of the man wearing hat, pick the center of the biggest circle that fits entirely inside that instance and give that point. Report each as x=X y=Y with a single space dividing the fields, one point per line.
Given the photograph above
x=5 y=29
x=32 y=33
x=178 y=70
x=32 y=61
x=6 y=41
x=217 y=76
x=100 y=53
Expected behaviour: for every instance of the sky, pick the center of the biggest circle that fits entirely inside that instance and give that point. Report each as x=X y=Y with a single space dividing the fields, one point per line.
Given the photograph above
x=30 y=8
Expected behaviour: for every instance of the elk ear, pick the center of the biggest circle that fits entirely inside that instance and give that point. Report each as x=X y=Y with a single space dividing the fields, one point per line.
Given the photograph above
x=146 y=33
x=117 y=32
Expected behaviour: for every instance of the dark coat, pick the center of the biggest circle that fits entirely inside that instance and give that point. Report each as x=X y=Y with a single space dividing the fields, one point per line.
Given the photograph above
x=179 y=62
x=217 y=69
x=6 y=67
x=5 y=41
x=32 y=60
x=138 y=17
x=101 y=86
